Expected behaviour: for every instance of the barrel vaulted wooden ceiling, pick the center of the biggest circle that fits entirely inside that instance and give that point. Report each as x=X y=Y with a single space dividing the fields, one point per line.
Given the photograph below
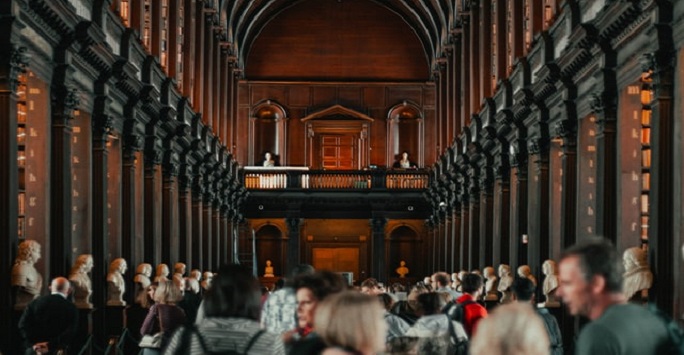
x=254 y=28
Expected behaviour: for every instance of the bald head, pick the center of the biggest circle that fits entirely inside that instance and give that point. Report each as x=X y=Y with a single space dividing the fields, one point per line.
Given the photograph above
x=61 y=285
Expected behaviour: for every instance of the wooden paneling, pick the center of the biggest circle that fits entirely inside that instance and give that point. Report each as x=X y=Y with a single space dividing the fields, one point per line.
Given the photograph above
x=336 y=259
x=303 y=98
x=300 y=96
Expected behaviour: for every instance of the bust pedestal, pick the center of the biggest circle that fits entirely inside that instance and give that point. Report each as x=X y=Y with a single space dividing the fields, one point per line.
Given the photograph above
x=115 y=320
x=85 y=328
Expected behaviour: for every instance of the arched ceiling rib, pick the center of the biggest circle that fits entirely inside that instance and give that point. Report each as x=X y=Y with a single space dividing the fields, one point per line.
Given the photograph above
x=429 y=19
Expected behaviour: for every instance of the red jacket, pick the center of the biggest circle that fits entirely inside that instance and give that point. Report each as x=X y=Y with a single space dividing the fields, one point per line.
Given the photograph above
x=472 y=314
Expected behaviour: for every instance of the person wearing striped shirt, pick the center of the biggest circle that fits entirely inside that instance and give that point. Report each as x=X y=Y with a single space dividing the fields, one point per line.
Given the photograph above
x=231 y=319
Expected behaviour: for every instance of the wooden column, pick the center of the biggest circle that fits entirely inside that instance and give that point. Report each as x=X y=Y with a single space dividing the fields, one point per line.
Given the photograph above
x=101 y=127
x=428 y=252
x=439 y=242
x=13 y=62
x=185 y=221
x=153 y=202
x=448 y=240
x=170 y=241
x=518 y=208
x=474 y=237
x=486 y=217
x=293 y=245
x=129 y=198
x=465 y=229
x=538 y=206
x=197 y=221
x=227 y=250
x=501 y=217
x=65 y=101
x=378 y=248
x=456 y=246
x=207 y=228
x=216 y=232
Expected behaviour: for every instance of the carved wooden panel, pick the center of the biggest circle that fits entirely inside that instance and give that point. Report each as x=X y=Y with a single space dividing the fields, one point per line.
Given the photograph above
x=342 y=259
x=337 y=151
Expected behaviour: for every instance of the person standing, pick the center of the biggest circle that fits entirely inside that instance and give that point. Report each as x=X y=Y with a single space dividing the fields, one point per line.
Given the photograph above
x=50 y=322
x=523 y=291
x=473 y=312
x=590 y=276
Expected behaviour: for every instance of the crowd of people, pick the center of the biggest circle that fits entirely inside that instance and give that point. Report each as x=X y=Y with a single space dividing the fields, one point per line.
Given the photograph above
x=317 y=312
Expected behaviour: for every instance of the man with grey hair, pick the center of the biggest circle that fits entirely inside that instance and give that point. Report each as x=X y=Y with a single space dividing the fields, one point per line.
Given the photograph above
x=590 y=276
x=50 y=322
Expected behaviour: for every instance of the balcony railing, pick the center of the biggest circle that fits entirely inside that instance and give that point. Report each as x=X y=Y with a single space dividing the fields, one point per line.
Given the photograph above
x=274 y=178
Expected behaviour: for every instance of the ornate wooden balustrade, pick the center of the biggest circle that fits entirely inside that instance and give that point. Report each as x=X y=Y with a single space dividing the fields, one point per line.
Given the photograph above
x=293 y=178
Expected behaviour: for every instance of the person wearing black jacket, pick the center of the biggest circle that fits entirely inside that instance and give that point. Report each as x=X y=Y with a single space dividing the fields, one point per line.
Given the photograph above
x=50 y=322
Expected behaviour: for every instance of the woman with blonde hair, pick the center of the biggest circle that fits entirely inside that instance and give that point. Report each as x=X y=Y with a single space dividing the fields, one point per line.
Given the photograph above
x=351 y=323
x=511 y=329
x=163 y=316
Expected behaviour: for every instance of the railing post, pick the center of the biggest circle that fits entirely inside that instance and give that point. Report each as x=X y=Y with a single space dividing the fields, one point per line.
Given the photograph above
x=378 y=178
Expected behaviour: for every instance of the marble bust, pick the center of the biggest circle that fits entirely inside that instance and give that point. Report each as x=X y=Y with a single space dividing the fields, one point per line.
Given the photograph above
x=491 y=284
x=206 y=283
x=638 y=277
x=162 y=273
x=116 y=286
x=550 y=284
x=80 y=281
x=268 y=270
x=402 y=270
x=505 y=282
x=142 y=282
x=525 y=271
x=179 y=274
x=196 y=274
x=25 y=278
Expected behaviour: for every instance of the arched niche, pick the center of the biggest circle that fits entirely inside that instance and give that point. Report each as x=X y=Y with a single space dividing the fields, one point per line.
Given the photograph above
x=405 y=132
x=267 y=132
x=270 y=246
x=404 y=246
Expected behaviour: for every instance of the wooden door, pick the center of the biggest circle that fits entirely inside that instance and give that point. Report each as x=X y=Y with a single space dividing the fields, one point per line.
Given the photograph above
x=336 y=259
x=337 y=152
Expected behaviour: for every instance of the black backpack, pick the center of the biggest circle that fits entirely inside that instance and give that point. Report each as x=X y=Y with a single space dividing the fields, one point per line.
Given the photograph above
x=184 y=345
x=456 y=311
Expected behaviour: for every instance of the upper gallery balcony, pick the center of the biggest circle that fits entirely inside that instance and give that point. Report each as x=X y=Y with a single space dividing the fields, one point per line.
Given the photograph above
x=284 y=191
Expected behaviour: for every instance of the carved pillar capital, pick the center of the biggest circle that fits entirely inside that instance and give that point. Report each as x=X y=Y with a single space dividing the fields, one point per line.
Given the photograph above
x=132 y=143
x=18 y=61
x=293 y=225
x=65 y=100
x=153 y=154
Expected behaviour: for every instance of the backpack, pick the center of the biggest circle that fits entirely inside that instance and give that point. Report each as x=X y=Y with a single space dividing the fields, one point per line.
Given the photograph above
x=184 y=345
x=673 y=329
x=457 y=346
x=456 y=311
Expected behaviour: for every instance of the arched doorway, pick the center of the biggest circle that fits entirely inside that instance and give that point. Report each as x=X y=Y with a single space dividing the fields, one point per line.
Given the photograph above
x=270 y=246
x=404 y=247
